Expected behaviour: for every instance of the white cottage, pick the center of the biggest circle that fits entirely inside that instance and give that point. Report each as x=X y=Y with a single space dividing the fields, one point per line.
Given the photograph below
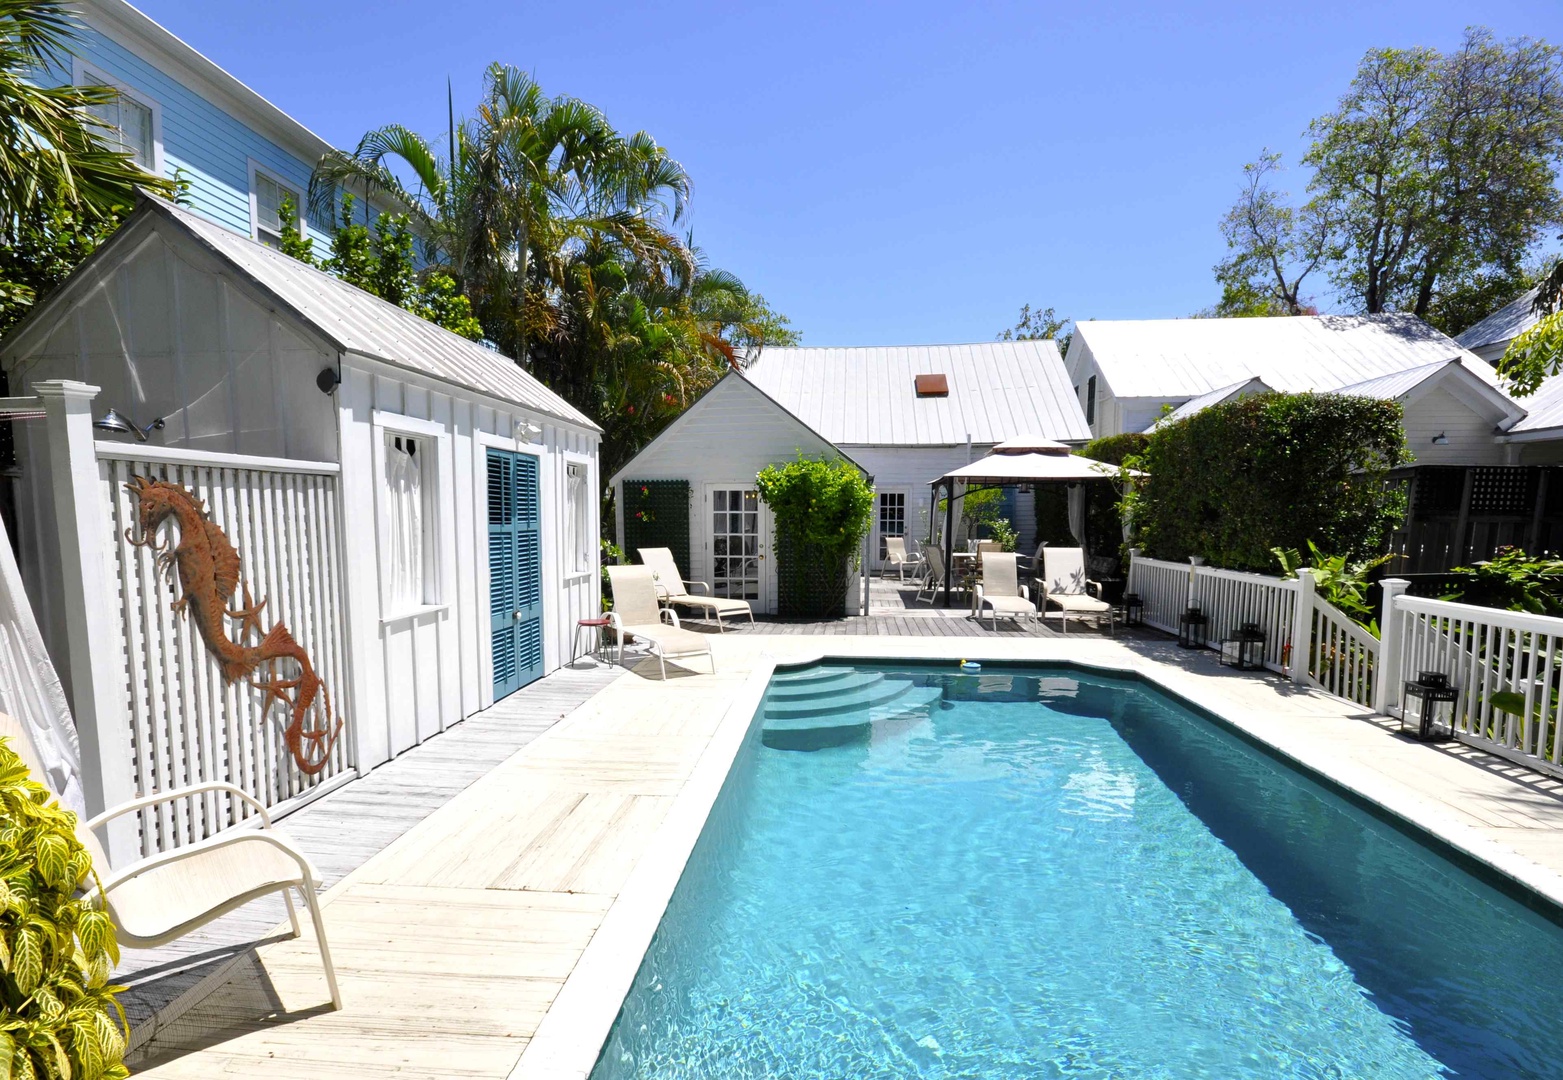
x=420 y=510
x=904 y=415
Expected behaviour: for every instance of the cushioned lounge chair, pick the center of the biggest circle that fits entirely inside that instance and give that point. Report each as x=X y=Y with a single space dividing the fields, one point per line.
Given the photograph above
x=165 y=896
x=638 y=612
x=672 y=588
x=1065 y=585
x=1000 y=590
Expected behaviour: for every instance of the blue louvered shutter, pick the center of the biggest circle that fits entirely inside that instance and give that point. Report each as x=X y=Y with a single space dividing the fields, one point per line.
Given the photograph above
x=515 y=570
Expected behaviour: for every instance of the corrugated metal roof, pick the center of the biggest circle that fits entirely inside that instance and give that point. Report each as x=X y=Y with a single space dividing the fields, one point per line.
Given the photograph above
x=1543 y=409
x=1508 y=322
x=867 y=397
x=1389 y=387
x=360 y=323
x=1224 y=393
x=1173 y=358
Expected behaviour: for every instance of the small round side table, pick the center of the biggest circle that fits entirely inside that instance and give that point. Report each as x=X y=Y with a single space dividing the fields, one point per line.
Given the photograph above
x=593 y=629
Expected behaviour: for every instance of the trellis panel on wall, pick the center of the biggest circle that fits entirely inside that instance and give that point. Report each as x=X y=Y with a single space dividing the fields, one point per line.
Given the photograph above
x=656 y=514
x=187 y=726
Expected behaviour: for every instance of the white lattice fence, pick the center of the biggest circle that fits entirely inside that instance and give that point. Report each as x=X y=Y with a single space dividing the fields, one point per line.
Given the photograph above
x=187 y=725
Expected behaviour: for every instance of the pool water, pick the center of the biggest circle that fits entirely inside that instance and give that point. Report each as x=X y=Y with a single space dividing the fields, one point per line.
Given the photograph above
x=1052 y=874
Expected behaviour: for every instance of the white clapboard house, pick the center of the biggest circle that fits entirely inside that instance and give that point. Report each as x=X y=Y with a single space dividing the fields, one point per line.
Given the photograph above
x=905 y=415
x=418 y=509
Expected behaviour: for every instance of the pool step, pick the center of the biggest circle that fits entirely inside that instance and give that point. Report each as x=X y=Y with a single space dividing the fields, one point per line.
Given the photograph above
x=848 y=724
x=836 y=684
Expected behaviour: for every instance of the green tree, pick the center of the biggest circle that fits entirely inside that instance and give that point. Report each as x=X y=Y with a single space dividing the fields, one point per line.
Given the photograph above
x=1273 y=248
x=295 y=244
x=1538 y=352
x=1040 y=324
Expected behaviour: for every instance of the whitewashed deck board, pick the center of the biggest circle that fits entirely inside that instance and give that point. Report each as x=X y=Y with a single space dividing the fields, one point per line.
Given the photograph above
x=343 y=830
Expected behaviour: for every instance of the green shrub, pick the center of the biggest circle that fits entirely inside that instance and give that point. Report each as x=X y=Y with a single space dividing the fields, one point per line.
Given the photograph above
x=1115 y=449
x=1236 y=481
x=822 y=509
x=58 y=1015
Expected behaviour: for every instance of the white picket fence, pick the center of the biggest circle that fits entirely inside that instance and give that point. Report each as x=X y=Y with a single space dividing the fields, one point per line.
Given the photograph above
x=1486 y=652
x=186 y=725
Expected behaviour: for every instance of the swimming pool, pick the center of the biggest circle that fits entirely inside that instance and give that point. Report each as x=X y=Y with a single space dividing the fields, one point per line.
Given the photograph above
x=1048 y=873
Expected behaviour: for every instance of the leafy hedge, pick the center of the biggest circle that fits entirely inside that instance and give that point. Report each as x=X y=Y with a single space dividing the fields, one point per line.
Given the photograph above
x=822 y=509
x=1115 y=449
x=58 y=1016
x=1236 y=481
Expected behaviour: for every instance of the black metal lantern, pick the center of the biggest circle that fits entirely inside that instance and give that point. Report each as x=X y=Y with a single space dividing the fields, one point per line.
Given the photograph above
x=1246 y=651
x=1192 y=625
x=1133 y=609
x=1431 y=689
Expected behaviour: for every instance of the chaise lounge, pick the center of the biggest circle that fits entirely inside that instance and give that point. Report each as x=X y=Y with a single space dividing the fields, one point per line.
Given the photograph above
x=672 y=588
x=1064 y=584
x=637 y=612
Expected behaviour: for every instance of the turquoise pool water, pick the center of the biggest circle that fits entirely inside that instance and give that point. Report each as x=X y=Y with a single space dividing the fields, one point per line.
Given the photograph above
x=1058 y=875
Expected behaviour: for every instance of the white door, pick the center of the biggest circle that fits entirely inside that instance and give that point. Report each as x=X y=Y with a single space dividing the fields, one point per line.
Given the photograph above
x=889 y=520
x=736 y=543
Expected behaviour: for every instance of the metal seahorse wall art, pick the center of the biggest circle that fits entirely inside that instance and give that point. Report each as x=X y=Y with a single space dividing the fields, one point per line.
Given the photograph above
x=207 y=565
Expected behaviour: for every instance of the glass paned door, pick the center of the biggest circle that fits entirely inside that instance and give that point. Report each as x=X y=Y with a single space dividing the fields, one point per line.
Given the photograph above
x=892 y=517
x=737 y=543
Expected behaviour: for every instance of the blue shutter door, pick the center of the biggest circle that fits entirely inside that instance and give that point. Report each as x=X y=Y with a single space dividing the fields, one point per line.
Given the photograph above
x=515 y=570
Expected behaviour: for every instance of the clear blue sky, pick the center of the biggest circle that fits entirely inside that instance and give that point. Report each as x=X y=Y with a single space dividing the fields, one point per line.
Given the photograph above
x=887 y=173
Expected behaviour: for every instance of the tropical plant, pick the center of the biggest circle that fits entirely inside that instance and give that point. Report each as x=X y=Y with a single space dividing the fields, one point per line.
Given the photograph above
x=1338 y=579
x=1513 y=580
x=58 y=1016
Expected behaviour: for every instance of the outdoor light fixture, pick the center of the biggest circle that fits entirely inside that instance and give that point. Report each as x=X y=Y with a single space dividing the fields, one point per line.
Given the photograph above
x=1433 y=689
x=117 y=422
x=1246 y=651
x=328 y=380
x=526 y=431
x=1191 y=629
x=1133 y=609
x=1440 y=439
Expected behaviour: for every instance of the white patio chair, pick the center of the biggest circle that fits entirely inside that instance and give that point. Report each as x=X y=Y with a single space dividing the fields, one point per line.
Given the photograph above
x=672 y=588
x=1064 y=583
x=165 y=896
x=898 y=557
x=933 y=580
x=1000 y=590
x=636 y=611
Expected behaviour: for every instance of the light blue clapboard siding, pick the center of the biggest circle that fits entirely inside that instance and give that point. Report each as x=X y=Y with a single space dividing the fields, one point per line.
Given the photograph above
x=211 y=147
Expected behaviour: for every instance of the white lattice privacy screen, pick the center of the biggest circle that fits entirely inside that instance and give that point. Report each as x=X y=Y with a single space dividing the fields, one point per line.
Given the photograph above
x=186 y=725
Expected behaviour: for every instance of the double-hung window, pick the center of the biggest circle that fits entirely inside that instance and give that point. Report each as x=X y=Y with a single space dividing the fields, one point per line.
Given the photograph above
x=577 y=524
x=126 y=121
x=269 y=195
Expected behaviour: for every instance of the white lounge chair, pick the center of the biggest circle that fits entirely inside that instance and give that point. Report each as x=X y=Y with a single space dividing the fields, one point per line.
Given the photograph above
x=897 y=557
x=636 y=611
x=1000 y=590
x=933 y=580
x=165 y=896
x=1064 y=584
x=672 y=588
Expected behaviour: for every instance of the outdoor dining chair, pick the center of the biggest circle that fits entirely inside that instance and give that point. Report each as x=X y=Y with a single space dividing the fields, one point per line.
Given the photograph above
x=672 y=587
x=897 y=557
x=637 y=612
x=166 y=895
x=933 y=580
x=1000 y=590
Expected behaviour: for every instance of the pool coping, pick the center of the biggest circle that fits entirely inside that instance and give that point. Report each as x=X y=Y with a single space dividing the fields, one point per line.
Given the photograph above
x=570 y=1039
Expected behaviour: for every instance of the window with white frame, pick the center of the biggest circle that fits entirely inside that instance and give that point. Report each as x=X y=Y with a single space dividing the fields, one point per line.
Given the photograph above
x=128 y=121
x=892 y=517
x=269 y=197
x=578 y=527
x=408 y=560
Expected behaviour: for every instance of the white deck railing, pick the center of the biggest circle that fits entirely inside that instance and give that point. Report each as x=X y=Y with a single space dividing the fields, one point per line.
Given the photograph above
x=1487 y=655
x=1343 y=657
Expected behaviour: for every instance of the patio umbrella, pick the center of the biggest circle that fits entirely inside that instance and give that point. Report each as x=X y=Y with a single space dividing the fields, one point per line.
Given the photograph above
x=1028 y=459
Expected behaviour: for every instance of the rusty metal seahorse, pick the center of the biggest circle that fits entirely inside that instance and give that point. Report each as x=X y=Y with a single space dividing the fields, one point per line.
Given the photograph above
x=209 y=575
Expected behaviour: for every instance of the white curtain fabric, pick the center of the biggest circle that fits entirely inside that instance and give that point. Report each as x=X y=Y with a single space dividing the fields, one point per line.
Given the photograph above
x=1077 y=513
x=404 y=506
x=575 y=518
x=30 y=691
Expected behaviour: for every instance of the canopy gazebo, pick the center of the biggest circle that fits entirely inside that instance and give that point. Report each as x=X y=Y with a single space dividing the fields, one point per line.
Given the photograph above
x=1024 y=460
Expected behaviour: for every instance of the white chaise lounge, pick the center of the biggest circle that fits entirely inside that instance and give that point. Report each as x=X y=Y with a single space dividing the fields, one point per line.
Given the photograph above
x=165 y=896
x=672 y=588
x=1064 y=584
x=1000 y=590
x=637 y=611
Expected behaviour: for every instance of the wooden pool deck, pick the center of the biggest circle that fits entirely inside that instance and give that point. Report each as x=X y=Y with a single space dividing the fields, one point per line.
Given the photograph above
x=460 y=944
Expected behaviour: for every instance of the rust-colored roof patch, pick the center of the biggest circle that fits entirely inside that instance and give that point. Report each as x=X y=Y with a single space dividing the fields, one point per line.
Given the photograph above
x=933 y=386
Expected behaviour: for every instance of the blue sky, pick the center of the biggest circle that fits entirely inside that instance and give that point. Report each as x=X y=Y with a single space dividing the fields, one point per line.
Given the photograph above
x=887 y=174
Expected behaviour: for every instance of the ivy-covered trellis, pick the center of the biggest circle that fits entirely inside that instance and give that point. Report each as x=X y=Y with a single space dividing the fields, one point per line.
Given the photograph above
x=822 y=510
x=656 y=514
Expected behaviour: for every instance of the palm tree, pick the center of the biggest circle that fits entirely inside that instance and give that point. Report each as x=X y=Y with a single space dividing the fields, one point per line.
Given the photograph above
x=52 y=154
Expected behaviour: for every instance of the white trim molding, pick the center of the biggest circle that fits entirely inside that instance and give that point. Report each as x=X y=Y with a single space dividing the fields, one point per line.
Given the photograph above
x=256 y=170
x=84 y=73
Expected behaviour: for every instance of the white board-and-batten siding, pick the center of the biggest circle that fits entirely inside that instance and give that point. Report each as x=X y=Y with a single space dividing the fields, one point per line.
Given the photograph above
x=421 y=670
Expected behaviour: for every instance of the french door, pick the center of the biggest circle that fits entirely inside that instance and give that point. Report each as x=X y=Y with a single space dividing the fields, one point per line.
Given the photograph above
x=515 y=568
x=736 y=542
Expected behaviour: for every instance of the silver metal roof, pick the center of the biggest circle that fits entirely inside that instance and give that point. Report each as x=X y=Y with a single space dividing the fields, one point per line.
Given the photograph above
x=1245 y=388
x=1176 y=358
x=1508 y=322
x=1543 y=409
x=1401 y=384
x=357 y=322
x=867 y=397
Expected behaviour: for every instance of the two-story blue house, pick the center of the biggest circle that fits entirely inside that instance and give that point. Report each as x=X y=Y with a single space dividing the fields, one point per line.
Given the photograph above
x=181 y=115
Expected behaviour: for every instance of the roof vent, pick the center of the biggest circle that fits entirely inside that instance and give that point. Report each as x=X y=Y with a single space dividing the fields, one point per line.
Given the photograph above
x=933 y=386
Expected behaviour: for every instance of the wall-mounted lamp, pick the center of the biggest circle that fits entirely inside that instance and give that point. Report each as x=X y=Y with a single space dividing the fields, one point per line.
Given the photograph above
x=1440 y=439
x=526 y=431
x=328 y=380
x=117 y=422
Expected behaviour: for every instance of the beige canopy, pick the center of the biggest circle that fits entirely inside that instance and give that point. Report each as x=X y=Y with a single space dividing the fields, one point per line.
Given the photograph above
x=1031 y=460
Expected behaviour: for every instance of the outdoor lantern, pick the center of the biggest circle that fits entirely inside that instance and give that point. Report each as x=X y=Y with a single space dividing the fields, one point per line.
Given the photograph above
x=1133 y=609
x=1246 y=651
x=1191 y=629
x=1432 y=689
